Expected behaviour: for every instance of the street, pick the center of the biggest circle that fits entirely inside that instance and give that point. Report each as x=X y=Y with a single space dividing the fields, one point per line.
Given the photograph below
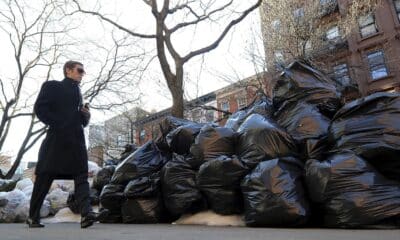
x=72 y=231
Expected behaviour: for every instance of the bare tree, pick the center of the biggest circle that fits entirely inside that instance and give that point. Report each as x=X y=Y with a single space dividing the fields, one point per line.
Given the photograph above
x=40 y=39
x=193 y=13
x=308 y=29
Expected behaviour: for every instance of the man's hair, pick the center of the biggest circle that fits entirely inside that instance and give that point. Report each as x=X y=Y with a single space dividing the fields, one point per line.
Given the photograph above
x=70 y=65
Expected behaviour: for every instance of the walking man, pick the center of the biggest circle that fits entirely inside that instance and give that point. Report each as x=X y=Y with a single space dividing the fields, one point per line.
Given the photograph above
x=62 y=154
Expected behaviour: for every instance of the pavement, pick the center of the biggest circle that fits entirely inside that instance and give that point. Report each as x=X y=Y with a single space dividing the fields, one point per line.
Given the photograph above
x=72 y=231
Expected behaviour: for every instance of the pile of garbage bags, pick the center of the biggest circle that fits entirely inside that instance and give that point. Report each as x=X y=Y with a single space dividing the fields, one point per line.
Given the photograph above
x=299 y=159
x=15 y=197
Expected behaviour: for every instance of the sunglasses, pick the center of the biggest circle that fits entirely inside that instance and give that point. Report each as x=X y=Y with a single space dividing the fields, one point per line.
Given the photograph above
x=80 y=71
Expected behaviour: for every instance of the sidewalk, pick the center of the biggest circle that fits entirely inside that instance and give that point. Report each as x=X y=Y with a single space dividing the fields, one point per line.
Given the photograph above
x=72 y=231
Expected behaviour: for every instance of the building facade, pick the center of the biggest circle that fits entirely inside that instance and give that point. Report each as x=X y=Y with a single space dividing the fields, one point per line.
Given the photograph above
x=367 y=58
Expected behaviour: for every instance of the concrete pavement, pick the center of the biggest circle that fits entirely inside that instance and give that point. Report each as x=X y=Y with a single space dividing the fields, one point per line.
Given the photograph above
x=72 y=231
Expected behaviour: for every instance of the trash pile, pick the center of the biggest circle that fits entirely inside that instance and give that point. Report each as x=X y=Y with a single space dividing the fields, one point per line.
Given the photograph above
x=15 y=198
x=299 y=159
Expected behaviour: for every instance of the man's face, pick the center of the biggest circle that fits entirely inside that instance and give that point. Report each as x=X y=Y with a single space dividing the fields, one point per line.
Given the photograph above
x=76 y=73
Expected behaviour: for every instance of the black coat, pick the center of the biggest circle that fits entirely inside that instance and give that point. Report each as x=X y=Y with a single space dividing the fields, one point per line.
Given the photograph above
x=63 y=152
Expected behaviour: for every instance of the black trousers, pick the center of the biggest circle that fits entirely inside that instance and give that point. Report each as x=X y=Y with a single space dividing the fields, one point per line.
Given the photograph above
x=42 y=186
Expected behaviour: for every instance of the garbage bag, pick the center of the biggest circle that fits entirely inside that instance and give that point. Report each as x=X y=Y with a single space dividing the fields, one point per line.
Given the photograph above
x=144 y=187
x=103 y=177
x=73 y=203
x=93 y=168
x=301 y=83
x=7 y=185
x=180 y=139
x=8 y=213
x=142 y=210
x=213 y=142
x=58 y=199
x=180 y=192
x=351 y=192
x=261 y=138
x=144 y=161
x=112 y=197
x=263 y=107
x=170 y=123
x=274 y=194
x=26 y=182
x=219 y=180
x=370 y=127
x=307 y=126
x=3 y=199
x=22 y=210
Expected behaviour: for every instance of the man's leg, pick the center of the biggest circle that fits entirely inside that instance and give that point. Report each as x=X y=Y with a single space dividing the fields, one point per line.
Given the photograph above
x=40 y=189
x=82 y=193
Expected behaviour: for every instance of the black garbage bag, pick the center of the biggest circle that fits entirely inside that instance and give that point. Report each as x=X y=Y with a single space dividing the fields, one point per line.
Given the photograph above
x=274 y=194
x=112 y=217
x=144 y=187
x=351 y=192
x=109 y=162
x=170 y=123
x=370 y=127
x=7 y=185
x=307 y=126
x=73 y=203
x=301 y=83
x=263 y=107
x=142 y=210
x=261 y=138
x=112 y=197
x=103 y=177
x=143 y=162
x=180 y=139
x=180 y=192
x=219 y=180
x=213 y=142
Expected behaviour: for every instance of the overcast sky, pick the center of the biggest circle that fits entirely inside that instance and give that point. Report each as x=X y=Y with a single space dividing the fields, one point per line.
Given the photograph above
x=229 y=60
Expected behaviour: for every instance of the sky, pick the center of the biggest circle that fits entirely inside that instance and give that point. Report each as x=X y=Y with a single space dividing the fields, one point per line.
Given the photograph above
x=208 y=73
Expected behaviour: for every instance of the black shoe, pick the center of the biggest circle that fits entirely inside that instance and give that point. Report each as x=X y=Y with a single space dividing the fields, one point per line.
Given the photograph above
x=34 y=224
x=92 y=217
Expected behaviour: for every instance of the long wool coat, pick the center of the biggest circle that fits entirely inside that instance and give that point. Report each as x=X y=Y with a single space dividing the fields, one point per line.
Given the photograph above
x=63 y=152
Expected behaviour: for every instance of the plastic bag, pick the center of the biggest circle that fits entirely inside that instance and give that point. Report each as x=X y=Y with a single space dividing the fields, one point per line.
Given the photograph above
x=274 y=194
x=370 y=127
x=180 y=139
x=144 y=187
x=112 y=197
x=261 y=138
x=307 y=126
x=301 y=83
x=351 y=192
x=142 y=210
x=180 y=193
x=58 y=199
x=7 y=185
x=219 y=179
x=213 y=142
x=103 y=177
x=144 y=161
x=8 y=213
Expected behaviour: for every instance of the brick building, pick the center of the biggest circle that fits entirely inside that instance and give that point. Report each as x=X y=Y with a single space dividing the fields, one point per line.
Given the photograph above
x=368 y=58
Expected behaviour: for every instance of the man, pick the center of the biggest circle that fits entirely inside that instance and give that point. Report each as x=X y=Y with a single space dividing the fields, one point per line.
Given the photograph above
x=62 y=154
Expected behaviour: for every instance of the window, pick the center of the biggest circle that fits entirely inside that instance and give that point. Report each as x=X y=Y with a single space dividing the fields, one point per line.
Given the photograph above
x=341 y=74
x=242 y=102
x=333 y=33
x=377 y=66
x=397 y=7
x=225 y=106
x=142 y=135
x=210 y=116
x=367 y=25
x=121 y=140
x=196 y=115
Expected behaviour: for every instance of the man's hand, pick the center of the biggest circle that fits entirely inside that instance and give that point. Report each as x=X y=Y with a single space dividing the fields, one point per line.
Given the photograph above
x=86 y=114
